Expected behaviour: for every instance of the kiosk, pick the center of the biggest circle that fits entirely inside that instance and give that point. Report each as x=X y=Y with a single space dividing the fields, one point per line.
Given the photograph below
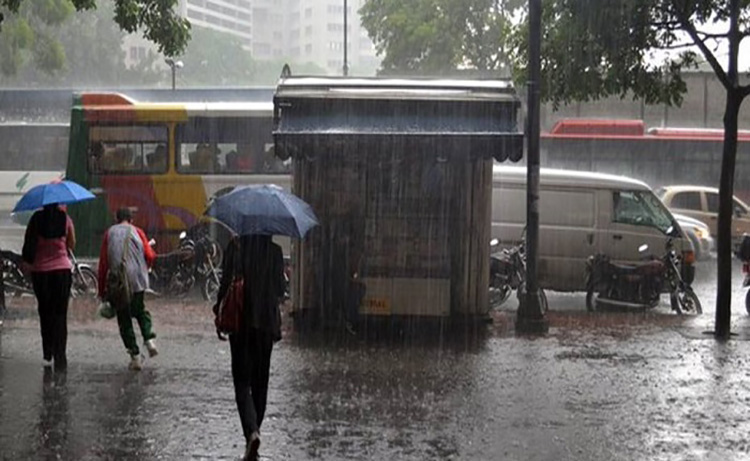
x=399 y=173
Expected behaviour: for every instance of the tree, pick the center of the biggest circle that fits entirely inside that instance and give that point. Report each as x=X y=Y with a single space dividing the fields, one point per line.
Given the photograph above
x=439 y=37
x=639 y=48
x=90 y=52
x=25 y=28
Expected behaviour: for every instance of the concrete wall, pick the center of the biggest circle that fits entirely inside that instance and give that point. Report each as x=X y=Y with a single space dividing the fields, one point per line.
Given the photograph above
x=702 y=107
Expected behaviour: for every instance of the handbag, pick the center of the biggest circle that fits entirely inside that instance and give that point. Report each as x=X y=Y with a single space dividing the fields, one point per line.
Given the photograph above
x=229 y=317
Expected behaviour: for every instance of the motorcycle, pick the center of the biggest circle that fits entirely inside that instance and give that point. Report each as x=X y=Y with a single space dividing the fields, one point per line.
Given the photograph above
x=744 y=255
x=83 y=278
x=176 y=273
x=639 y=286
x=508 y=273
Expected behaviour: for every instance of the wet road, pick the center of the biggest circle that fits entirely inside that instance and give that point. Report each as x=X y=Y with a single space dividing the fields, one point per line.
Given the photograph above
x=615 y=386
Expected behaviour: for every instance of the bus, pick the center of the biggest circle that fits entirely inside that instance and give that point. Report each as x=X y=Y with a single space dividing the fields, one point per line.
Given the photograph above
x=165 y=161
x=659 y=156
x=30 y=154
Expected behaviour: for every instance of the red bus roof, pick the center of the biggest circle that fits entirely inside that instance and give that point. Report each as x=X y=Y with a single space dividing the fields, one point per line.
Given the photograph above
x=582 y=128
x=611 y=127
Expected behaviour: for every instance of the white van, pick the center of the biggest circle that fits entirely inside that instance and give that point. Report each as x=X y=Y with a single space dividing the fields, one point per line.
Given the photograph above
x=580 y=214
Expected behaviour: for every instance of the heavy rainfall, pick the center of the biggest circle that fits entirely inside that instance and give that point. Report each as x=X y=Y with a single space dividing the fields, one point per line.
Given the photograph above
x=374 y=229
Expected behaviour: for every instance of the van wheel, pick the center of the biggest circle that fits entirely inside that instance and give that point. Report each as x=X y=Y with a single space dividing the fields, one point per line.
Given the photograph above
x=543 y=301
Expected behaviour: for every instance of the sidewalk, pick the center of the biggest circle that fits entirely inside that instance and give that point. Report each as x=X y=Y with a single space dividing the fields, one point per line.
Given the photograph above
x=598 y=386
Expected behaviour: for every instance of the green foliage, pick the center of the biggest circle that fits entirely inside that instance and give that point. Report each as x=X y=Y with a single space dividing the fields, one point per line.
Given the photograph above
x=216 y=58
x=631 y=48
x=438 y=37
x=27 y=28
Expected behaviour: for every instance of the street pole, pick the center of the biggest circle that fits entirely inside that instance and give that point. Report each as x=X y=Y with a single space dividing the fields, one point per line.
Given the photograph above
x=346 y=34
x=174 y=65
x=530 y=318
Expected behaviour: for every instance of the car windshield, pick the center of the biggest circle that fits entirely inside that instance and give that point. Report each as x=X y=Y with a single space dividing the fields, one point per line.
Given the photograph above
x=641 y=208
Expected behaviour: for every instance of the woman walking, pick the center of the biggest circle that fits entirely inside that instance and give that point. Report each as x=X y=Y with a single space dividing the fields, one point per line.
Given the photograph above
x=49 y=236
x=259 y=261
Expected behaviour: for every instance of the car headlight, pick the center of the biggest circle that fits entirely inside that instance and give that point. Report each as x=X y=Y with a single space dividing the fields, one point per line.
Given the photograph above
x=701 y=233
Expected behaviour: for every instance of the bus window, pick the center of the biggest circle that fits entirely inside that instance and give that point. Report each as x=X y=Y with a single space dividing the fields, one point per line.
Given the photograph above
x=226 y=145
x=127 y=149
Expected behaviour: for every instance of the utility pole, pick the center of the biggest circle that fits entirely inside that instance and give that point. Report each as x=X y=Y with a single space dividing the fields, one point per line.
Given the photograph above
x=346 y=36
x=530 y=318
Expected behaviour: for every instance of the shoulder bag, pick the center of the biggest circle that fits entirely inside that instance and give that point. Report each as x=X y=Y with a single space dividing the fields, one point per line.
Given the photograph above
x=229 y=317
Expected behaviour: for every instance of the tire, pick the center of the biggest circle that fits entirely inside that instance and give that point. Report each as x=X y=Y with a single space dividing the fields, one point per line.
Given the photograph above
x=16 y=283
x=686 y=302
x=590 y=300
x=747 y=302
x=210 y=287
x=498 y=296
x=543 y=301
x=85 y=283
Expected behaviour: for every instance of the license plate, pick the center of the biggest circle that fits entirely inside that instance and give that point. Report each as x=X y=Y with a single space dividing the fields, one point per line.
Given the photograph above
x=376 y=306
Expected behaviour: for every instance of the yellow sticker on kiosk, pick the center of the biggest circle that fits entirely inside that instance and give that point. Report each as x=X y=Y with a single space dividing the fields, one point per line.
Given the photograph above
x=377 y=306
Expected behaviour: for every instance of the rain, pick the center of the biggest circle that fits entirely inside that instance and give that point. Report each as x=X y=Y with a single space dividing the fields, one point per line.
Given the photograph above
x=461 y=230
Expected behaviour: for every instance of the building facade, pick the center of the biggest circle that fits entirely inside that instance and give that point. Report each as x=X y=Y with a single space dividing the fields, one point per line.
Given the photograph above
x=299 y=31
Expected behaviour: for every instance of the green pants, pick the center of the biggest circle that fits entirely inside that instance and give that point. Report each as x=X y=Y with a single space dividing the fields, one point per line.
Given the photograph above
x=138 y=311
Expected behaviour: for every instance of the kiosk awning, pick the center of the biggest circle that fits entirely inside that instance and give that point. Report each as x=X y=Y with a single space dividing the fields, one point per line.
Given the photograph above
x=472 y=118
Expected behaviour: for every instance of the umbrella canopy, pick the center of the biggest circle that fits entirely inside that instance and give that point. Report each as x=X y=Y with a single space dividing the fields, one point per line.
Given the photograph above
x=63 y=192
x=264 y=210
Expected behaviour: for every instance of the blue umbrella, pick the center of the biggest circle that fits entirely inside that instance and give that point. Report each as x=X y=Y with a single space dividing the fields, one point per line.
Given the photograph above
x=264 y=210
x=63 y=192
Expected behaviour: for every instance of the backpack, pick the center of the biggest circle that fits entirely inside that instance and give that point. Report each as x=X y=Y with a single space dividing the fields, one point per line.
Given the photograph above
x=119 y=294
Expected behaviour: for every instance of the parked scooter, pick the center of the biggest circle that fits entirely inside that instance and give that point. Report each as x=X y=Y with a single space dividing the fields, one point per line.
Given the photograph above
x=639 y=286
x=744 y=255
x=176 y=273
x=17 y=283
x=508 y=273
x=173 y=273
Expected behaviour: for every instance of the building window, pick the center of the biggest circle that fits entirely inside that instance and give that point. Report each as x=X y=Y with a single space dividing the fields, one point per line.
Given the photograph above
x=308 y=13
x=308 y=31
x=141 y=52
x=133 y=53
x=308 y=49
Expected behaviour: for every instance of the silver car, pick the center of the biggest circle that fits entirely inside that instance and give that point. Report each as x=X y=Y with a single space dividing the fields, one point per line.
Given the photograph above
x=698 y=233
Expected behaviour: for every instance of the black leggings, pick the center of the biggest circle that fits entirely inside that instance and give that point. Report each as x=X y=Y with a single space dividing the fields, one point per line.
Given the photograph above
x=251 y=363
x=52 y=290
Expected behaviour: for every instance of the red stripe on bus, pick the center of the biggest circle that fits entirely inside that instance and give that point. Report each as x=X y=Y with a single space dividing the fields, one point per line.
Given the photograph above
x=137 y=193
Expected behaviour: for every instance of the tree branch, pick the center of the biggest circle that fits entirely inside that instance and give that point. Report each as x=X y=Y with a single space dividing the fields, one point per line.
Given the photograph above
x=688 y=26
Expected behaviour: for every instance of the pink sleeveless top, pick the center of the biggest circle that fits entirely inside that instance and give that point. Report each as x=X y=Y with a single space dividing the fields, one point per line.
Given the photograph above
x=52 y=254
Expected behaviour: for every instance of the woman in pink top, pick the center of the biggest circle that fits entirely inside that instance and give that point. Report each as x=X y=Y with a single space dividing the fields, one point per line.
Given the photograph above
x=49 y=235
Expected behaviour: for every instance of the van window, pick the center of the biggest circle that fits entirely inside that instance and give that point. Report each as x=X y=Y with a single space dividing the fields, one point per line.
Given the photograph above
x=556 y=207
x=687 y=201
x=712 y=200
x=640 y=208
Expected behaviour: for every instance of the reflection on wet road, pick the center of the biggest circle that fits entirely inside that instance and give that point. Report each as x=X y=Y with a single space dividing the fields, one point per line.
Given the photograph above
x=615 y=386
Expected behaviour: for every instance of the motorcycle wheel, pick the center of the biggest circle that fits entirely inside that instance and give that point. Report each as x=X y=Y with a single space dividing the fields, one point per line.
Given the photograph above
x=590 y=300
x=210 y=287
x=686 y=302
x=498 y=295
x=747 y=302
x=84 y=283
x=15 y=282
